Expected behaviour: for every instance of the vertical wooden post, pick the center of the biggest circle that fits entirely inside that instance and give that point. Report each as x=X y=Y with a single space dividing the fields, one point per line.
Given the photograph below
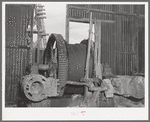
x=99 y=53
x=97 y=56
x=88 y=54
x=38 y=45
x=95 y=46
x=31 y=47
x=67 y=26
x=137 y=63
x=67 y=30
x=89 y=47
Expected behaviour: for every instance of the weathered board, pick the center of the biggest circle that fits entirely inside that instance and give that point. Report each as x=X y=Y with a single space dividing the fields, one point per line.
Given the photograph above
x=18 y=17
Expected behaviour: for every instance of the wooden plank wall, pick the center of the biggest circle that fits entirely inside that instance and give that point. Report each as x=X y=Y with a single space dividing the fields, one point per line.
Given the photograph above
x=141 y=45
x=120 y=41
x=108 y=45
x=18 y=17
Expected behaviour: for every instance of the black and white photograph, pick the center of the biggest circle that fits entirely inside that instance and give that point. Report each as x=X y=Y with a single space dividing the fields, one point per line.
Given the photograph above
x=83 y=58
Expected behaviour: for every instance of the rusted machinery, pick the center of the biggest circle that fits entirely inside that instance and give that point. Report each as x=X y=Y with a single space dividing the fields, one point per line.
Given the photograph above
x=62 y=76
x=70 y=76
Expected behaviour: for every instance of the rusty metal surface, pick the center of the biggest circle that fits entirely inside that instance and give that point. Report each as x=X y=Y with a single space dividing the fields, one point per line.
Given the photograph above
x=88 y=83
x=18 y=17
x=128 y=91
x=37 y=87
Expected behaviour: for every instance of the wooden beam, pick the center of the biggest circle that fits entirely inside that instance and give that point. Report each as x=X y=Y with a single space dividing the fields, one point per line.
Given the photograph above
x=86 y=20
x=31 y=61
x=67 y=25
x=67 y=30
x=34 y=31
x=105 y=11
x=89 y=47
x=97 y=56
x=95 y=48
x=90 y=9
x=99 y=53
x=88 y=55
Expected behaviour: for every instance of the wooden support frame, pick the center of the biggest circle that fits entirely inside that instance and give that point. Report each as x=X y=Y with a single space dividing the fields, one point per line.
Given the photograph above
x=38 y=47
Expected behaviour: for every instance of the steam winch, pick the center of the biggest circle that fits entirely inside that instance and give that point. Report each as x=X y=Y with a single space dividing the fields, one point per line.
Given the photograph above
x=71 y=75
x=62 y=76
